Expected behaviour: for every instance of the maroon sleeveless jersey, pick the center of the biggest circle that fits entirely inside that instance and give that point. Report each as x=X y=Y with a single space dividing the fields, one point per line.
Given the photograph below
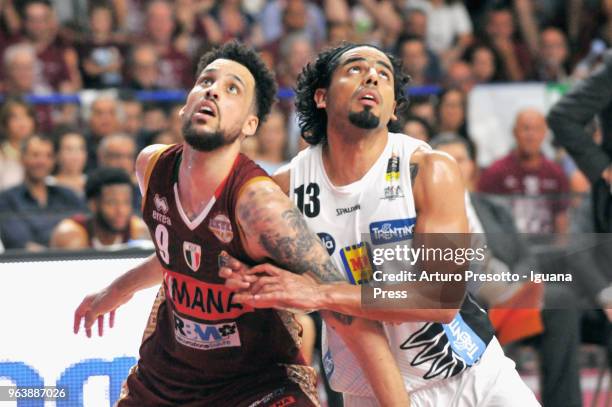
x=199 y=338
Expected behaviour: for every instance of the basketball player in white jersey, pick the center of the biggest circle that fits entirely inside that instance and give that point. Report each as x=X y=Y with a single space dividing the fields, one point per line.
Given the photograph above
x=360 y=186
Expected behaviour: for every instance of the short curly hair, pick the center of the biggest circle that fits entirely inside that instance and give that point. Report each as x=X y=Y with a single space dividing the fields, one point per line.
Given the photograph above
x=265 y=83
x=318 y=74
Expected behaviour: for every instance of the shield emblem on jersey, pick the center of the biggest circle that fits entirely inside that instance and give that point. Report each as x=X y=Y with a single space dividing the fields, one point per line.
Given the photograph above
x=221 y=227
x=193 y=255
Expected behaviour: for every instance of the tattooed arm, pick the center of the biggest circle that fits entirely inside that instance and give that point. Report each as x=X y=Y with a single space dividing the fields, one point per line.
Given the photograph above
x=439 y=199
x=273 y=229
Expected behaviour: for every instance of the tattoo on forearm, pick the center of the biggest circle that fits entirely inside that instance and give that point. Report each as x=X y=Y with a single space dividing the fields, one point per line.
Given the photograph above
x=343 y=318
x=288 y=240
x=414 y=170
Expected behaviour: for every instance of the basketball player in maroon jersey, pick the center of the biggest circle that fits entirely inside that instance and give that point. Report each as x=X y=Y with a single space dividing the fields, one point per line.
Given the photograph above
x=201 y=199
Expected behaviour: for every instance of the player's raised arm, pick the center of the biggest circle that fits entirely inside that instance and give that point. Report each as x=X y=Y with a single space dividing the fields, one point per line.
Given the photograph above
x=274 y=229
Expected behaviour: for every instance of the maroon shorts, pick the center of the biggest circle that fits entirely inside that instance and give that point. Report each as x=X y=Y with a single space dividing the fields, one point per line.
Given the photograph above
x=260 y=390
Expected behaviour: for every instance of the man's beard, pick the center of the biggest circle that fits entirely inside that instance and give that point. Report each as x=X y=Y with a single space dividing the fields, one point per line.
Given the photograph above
x=364 y=119
x=107 y=226
x=205 y=141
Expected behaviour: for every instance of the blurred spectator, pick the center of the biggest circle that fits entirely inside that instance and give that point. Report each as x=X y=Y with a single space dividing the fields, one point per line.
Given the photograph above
x=103 y=120
x=119 y=151
x=337 y=32
x=459 y=75
x=59 y=61
x=281 y=17
x=421 y=64
x=71 y=151
x=154 y=118
x=541 y=208
x=423 y=107
x=415 y=22
x=559 y=341
x=164 y=137
x=416 y=127
x=112 y=223
x=449 y=28
x=175 y=125
x=175 y=67
x=20 y=69
x=450 y=112
x=30 y=211
x=132 y=116
x=272 y=142
x=100 y=54
x=295 y=52
x=485 y=64
x=143 y=66
x=500 y=34
x=551 y=64
x=17 y=123
x=233 y=22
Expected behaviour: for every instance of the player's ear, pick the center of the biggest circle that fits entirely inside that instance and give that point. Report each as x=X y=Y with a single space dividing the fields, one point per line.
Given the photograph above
x=320 y=98
x=182 y=111
x=250 y=125
x=393 y=115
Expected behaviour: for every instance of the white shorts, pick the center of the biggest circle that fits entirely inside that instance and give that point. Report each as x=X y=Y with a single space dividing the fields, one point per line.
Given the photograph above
x=493 y=382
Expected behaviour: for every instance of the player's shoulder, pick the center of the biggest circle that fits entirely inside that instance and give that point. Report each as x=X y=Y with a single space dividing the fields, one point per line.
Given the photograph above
x=145 y=161
x=282 y=176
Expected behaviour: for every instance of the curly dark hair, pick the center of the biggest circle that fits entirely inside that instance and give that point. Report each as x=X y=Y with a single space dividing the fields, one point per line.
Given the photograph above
x=103 y=176
x=265 y=83
x=317 y=75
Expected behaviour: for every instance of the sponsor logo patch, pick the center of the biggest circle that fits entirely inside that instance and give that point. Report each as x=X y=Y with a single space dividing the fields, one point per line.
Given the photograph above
x=197 y=299
x=350 y=209
x=193 y=255
x=389 y=231
x=357 y=264
x=161 y=204
x=392 y=176
x=221 y=227
x=204 y=336
x=464 y=341
x=328 y=242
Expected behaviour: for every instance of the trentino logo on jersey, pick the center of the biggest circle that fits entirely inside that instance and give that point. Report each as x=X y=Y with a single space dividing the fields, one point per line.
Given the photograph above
x=357 y=264
x=193 y=255
x=392 y=179
x=389 y=231
x=464 y=340
x=204 y=336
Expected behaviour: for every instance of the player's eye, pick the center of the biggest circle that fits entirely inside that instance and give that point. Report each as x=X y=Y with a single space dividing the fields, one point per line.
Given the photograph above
x=233 y=89
x=206 y=82
x=384 y=74
x=354 y=69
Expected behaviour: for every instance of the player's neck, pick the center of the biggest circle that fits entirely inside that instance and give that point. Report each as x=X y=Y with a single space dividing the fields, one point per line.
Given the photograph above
x=349 y=155
x=200 y=173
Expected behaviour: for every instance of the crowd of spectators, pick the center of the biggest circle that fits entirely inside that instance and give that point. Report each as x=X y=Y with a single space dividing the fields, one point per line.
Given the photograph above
x=120 y=48
x=124 y=58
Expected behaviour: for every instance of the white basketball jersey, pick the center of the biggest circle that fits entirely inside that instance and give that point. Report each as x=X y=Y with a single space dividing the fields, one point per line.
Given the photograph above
x=352 y=219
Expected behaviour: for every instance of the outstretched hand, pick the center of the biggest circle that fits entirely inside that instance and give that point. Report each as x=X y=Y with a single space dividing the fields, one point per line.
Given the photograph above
x=94 y=307
x=269 y=286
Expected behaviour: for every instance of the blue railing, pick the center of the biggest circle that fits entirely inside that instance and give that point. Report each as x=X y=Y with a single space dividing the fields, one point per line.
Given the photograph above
x=179 y=95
